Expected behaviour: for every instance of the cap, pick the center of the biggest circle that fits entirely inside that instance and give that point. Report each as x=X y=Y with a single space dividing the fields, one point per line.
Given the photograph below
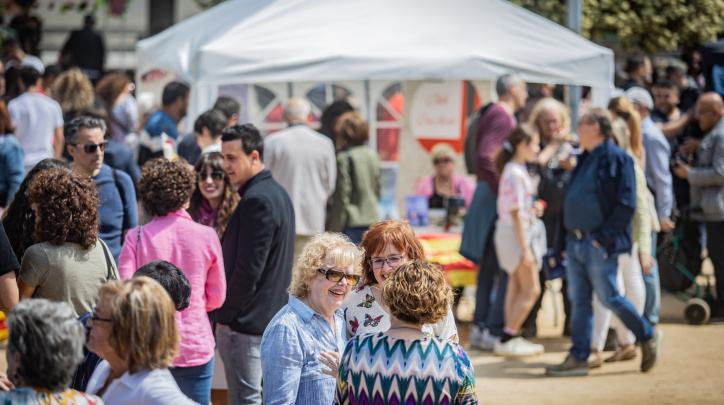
x=640 y=95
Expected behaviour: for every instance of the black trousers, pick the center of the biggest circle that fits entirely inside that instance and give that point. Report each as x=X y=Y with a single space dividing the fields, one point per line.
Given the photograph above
x=714 y=239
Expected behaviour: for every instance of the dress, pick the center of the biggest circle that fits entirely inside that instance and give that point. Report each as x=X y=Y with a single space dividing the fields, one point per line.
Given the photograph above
x=30 y=396
x=290 y=351
x=363 y=314
x=377 y=369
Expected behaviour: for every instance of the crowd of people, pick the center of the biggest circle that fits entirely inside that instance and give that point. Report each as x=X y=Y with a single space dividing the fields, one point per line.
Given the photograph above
x=236 y=268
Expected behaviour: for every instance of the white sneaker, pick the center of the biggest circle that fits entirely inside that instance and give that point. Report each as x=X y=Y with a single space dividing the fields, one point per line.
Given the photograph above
x=482 y=339
x=517 y=347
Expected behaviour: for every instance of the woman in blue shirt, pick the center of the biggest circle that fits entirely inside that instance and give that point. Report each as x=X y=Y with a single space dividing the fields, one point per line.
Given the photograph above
x=307 y=336
x=11 y=159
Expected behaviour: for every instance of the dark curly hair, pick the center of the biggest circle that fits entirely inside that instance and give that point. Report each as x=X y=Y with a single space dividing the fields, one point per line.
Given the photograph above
x=66 y=207
x=417 y=293
x=214 y=160
x=18 y=218
x=166 y=186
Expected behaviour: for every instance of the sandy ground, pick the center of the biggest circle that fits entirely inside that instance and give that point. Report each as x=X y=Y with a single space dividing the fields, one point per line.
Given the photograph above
x=691 y=370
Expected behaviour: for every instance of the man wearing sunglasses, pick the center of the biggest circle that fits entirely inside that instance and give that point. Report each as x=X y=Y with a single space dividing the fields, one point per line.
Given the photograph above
x=84 y=137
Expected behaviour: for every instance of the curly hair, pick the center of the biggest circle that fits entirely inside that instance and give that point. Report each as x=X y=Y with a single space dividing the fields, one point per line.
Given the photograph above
x=49 y=340
x=231 y=198
x=73 y=90
x=399 y=233
x=551 y=104
x=143 y=322
x=110 y=87
x=417 y=293
x=166 y=186
x=66 y=205
x=18 y=218
x=329 y=245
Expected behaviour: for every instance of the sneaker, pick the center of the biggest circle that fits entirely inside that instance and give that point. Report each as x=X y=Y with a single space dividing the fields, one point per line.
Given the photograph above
x=516 y=347
x=571 y=367
x=482 y=339
x=540 y=348
x=651 y=351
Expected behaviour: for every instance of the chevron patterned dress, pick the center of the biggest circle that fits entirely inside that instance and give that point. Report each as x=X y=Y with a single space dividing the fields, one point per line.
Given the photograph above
x=377 y=370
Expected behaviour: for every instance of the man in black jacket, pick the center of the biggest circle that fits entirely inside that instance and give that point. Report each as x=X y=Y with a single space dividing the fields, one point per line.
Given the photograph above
x=258 y=246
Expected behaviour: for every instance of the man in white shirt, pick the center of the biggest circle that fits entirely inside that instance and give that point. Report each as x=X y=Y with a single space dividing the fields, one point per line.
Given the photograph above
x=38 y=120
x=15 y=56
x=304 y=163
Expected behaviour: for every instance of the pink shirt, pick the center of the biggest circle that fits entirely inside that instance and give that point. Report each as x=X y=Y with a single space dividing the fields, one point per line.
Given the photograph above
x=462 y=187
x=195 y=249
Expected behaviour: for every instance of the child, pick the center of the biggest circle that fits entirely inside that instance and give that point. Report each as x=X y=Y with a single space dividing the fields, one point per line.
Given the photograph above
x=519 y=238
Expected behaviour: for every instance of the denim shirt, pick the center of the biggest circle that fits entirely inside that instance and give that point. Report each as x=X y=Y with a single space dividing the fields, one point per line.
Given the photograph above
x=290 y=348
x=12 y=170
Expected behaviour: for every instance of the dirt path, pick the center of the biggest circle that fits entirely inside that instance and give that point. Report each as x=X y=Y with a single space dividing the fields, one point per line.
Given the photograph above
x=690 y=372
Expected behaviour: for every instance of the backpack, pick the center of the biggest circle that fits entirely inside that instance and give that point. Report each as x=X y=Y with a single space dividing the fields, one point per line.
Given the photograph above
x=471 y=140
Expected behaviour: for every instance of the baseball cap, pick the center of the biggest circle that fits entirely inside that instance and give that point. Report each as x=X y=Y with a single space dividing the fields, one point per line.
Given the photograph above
x=639 y=95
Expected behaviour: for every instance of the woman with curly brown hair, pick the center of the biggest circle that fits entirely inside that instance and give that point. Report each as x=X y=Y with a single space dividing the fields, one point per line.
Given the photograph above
x=115 y=90
x=69 y=262
x=417 y=294
x=172 y=235
x=74 y=92
x=214 y=199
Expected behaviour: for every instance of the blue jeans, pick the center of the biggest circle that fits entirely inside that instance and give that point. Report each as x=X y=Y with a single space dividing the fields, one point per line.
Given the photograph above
x=590 y=269
x=242 y=362
x=653 y=288
x=195 y=381
x=489 y=299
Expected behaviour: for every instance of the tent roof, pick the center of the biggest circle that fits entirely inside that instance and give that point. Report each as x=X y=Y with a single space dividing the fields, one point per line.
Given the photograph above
x=256 y=41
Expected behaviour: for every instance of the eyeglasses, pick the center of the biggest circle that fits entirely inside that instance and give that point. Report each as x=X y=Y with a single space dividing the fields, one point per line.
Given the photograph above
x=336 y=275
x=393 y=261
x=92 y=147
x=215 y=175
x=441 y=161
x=95 y=318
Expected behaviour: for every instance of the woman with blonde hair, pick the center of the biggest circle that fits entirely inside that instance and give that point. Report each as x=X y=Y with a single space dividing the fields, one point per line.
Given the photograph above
x=115 y=89
x=74 y=92
x=444 y=183
x=133 y=328
x=623 y=108
x=305 y=335
x=383 y=368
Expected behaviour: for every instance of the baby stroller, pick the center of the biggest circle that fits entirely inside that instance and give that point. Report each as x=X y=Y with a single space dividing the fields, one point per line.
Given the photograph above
x=679 y=258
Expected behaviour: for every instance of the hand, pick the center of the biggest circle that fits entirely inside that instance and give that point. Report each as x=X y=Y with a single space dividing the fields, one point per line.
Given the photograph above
x=5 y=383
x=331 y=360
x=690 y=146
x=666 y=225
x=646 y=262
x=528 y=257
x=567 y=163
x=596 y=244
x=539 y=206
x=681 y=170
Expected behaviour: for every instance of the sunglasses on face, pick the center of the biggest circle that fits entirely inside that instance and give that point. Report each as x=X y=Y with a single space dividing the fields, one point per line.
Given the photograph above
x=440 y=161
x=393 y=261
x=215 y=175
x=336 y=275
x=92 y=147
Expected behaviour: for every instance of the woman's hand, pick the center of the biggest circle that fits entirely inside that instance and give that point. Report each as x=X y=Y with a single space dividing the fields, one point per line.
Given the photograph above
x=331 y=360
x=5 y=383
x=646 y=262
x=567 y=163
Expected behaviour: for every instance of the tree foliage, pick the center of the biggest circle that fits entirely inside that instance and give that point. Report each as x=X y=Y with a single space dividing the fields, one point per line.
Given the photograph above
x=652 y=25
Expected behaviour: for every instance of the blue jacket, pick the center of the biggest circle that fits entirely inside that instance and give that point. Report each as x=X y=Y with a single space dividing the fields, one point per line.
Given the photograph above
x=12 y=170
x=616 y=190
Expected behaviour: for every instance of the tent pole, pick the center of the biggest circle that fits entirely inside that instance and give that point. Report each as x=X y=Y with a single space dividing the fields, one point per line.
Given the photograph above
x=575 y=15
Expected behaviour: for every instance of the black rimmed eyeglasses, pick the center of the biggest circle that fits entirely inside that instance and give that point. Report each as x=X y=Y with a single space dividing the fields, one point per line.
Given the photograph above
x=336 y=275
x=95 y=318
x=93 y=147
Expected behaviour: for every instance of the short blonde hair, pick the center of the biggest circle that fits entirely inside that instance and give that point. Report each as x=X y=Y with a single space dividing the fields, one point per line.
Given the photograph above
x=143 y=323
x=443 y=149
x=417 y=293
x=329 y=245
x=550 y=103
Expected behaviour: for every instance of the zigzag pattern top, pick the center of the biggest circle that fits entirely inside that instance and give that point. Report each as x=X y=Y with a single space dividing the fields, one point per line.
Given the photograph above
x=377 y=369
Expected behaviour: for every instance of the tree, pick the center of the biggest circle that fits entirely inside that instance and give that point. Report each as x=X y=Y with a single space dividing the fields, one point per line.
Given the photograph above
x=652 y=25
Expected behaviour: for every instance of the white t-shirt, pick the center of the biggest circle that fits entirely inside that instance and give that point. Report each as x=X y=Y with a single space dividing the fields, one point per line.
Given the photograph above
x=144 y=387
x=515 y=191
x=28 y=60
x=35 y=118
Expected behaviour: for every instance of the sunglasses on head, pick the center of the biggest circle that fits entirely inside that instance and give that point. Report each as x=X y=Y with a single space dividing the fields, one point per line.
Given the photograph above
x=336 y=275
x=440 y=161
x=92 y=147
x=215 y=175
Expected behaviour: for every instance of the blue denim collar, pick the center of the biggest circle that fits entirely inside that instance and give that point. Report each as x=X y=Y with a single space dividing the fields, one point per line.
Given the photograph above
x=304 y=311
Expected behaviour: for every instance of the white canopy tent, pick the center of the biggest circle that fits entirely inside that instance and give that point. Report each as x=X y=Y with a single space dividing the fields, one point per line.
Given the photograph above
x=267 y=41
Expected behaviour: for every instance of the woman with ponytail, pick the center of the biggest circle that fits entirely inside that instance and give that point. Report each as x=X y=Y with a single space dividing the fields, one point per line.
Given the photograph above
x=623 y=108
x=520 y=239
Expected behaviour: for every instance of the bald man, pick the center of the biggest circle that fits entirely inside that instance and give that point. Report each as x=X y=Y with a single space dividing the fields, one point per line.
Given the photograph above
x=303 y=161
x=706 y=179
